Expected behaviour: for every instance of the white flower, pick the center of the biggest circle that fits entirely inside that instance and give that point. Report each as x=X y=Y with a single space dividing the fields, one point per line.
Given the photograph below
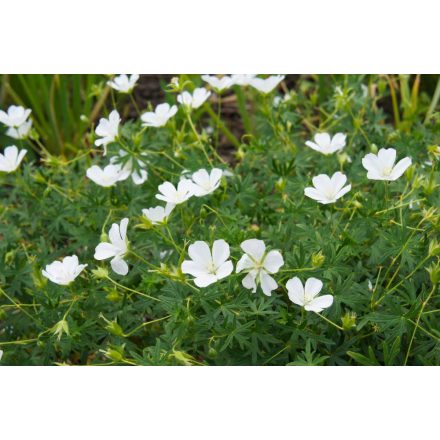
x=259 y=265
x=199 y=96
x=11 y=159
x=205 y=266
x=328 y=190
x=108 y=130
x=370 y=285
x=307 y=296
x=205 y=183
x=123 y=83
x=108 y=176
x=15 y=116
x=159 y=214
x=381 y=166
x=243 y=79
x=327 y=145
x=138 y=176
x=1 y=354
x=219 y=84
x=160 y=116
x=20 y=132
x=266 y=85
x=116 y=249
x=171 y=194
x=65 y=271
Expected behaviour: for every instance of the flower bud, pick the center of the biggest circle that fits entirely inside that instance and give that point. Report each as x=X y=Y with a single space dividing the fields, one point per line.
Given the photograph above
x=114 y=328
x=318 y=259
x=373 y=148
x=434 y=248
x=280 y=184
x=103 y=237
x=100 y=273
x=114 y=296
x=116 y=354
x=59 y=328
x=240 y=154
x=434 y=273
x=343 y=158
x=349 y=320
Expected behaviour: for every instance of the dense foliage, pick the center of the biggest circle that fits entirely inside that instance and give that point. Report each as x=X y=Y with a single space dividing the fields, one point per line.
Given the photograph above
x=376 y=249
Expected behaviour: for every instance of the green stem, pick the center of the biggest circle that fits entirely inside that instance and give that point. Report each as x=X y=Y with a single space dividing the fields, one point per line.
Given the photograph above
x=417 y=322
x=330 y=322
x=131 y=290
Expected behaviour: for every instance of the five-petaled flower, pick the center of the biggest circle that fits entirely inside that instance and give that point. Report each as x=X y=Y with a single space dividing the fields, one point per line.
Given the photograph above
x=107 y=129
x=205 y=183
x=194 y=100
x=109 y=175
x=259 y=265
x=116 y=249
x=65 y=271
x=123 y=83
x=11 y=159
x=381 y=166
x=16 y=119
x=219 y=84
x=327 y=145
x=266 y=85
x=159 y=214
x=328 y=190
x=170 y=194
x=160 y=116
x=205 y=266
x=307 y=296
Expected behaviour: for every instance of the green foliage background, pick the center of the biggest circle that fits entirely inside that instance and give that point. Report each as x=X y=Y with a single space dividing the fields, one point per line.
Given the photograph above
x=49 y=209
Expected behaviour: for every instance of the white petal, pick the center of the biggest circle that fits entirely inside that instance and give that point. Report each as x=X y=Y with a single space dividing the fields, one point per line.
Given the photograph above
x=104 y=251
x=338 y=181
x=225 y=270
x=249 y=281
x=205 y=280
x=400 y=168
x=267 y=283
x=254 y=248
x=273 y=261
x=244 y=263
x=295 y=291
x=319 y=303
x=220 y=252
x=387 y=157
x=193 y=268
x=312 y=287
x=119 y=266
x=200 y=252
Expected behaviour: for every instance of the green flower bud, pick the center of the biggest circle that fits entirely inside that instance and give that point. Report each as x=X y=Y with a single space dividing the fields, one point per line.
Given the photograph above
x=318 y=259
x=100 y=273
x=434 y=248
x=373 y=148
x=434 y=273
x=280 y=184
x=349 y=320
x=114 y=296
x=60 y=328
x=114 y=328
x=103 y=237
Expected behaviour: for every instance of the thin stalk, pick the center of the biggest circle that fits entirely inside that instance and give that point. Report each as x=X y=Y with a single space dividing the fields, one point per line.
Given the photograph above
x=417 y=322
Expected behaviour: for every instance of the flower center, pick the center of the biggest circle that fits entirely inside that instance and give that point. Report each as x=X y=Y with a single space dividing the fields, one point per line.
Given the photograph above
x=387 y=171
x=211 y=268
